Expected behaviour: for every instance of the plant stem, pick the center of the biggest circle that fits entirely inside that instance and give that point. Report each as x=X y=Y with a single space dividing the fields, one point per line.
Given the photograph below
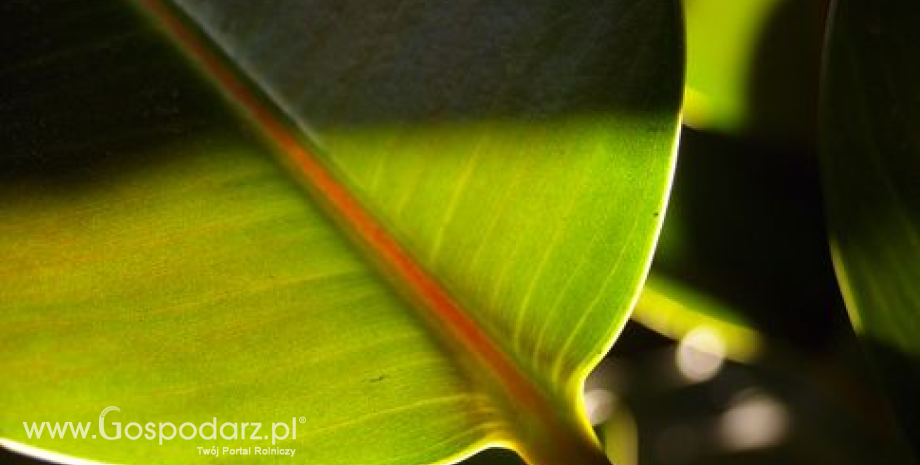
x=566 y=449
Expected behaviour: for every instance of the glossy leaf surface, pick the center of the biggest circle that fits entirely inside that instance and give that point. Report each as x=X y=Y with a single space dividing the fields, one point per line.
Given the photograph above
x=159 y=259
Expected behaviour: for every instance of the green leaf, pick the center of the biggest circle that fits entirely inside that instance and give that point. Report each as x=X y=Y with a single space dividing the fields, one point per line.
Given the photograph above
x=673 y=309
x=427 y=225
x=753 y=66
x=721 y=46
x=870 y=115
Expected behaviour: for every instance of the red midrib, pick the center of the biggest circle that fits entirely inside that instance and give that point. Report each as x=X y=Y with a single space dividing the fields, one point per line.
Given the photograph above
x=439 y=307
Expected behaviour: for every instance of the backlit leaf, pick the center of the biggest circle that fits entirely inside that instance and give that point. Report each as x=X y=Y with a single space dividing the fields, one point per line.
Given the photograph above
x=408 y=229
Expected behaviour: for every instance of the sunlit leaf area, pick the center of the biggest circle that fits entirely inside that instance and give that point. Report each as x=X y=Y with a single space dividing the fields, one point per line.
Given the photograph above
x=406 y=232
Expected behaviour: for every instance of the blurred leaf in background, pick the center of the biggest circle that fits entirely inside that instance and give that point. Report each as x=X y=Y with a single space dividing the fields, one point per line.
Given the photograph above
x=745 y=231
x=752 y=66
x=871 y=173
x=744 y=257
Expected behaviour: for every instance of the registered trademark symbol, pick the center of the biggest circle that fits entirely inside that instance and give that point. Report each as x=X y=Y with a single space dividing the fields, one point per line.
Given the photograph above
x=303 y=419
